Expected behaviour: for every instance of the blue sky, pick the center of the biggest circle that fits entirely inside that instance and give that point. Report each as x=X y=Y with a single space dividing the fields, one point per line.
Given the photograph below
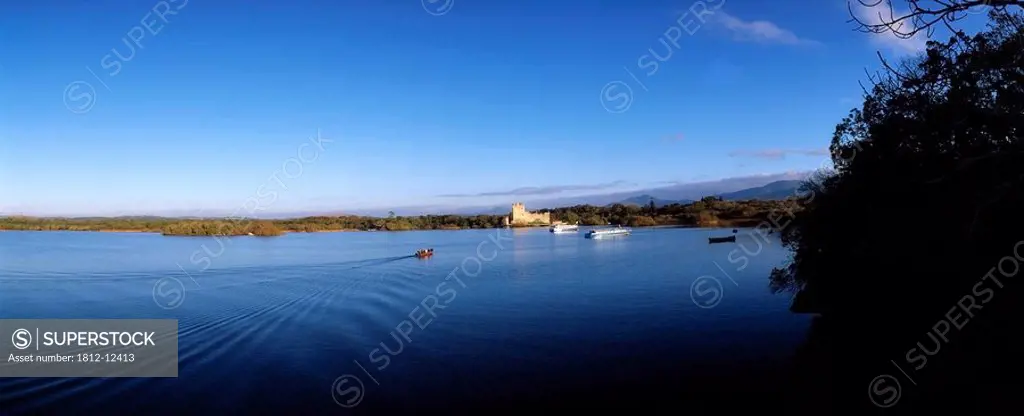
x=158 y=106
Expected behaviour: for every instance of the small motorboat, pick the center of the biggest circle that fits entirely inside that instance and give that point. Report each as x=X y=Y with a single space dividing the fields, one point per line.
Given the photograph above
x=424 y=253
x=608 y=232
x=729 y=239
x=565 y=228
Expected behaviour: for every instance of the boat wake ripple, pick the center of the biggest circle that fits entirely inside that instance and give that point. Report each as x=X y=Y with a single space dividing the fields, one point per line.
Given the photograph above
x=239 y=314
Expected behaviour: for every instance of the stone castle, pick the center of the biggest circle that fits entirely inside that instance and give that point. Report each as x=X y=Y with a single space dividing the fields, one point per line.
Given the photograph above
x=520 y=216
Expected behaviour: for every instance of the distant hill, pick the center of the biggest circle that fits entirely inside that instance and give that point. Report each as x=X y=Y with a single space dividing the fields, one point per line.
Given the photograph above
x=774 y=190
x=644 y=200
x=771 y=191
x=496 y=210
x=691 y=191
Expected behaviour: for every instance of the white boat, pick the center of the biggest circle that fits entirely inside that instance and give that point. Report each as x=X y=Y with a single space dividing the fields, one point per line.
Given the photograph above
x=564 y=228
x=608 y=232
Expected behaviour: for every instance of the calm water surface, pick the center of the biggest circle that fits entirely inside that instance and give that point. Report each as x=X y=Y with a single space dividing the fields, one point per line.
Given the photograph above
x=269 y=324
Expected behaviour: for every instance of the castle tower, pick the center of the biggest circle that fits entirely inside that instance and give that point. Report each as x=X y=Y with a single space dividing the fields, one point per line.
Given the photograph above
x=519 y=215
x=518 y=212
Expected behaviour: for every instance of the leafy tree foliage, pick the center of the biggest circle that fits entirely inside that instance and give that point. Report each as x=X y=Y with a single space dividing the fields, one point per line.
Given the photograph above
x=927 y=193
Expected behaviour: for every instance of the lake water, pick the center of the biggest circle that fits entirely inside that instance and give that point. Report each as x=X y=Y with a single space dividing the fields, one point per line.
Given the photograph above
x=306 y=323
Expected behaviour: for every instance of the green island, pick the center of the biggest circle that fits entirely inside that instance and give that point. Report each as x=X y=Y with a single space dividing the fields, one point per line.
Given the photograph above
x=708 y=212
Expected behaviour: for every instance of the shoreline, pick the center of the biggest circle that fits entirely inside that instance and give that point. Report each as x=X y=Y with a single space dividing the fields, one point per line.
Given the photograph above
x=709 y=212
x=646 y=227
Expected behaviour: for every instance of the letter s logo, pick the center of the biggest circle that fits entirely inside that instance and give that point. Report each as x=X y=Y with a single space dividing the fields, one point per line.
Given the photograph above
x=884 y=396
x=616 y=103
x=168 y=292
x=347 y=391
x=703 y=286
x=21 y=339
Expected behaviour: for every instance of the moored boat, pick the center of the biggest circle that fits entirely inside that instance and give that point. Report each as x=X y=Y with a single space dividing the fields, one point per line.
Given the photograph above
x=608 y=232
x=564 y=228
x=729 y=239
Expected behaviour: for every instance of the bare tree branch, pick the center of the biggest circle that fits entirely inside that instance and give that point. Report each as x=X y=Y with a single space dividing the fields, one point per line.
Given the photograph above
x=920 y=16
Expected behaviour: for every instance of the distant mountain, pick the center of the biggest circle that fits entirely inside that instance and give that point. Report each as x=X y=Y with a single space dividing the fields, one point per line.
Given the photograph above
x=413 y=211
x=775 y=190
x=680 y=193
x=495 y=210
x=684 y=191
x=644 y=200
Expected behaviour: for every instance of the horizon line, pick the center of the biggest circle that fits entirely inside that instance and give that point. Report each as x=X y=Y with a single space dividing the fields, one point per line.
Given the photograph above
x=227 y=213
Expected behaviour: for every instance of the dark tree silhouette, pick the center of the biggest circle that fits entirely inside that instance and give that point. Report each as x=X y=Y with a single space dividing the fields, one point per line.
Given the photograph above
x=922 y=221
x=948 y=129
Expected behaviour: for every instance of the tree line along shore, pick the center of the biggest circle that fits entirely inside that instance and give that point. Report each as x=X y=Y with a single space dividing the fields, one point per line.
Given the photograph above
x=708 y=212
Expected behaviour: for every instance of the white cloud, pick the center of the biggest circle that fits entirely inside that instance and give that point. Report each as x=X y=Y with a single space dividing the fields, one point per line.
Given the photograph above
x=879 y=12
x=761 y=31
x=545 y=190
